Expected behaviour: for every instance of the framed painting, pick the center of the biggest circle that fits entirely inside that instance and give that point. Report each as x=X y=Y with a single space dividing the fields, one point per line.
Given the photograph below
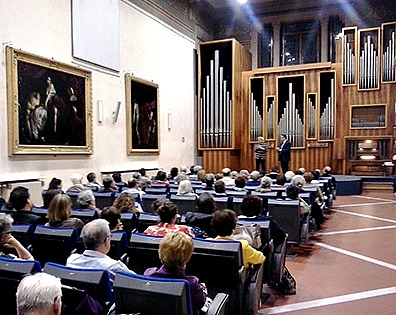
x=142 y=116
x=49 y=106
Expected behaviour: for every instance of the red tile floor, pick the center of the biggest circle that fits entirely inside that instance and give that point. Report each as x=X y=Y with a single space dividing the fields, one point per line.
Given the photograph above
x=349 y=267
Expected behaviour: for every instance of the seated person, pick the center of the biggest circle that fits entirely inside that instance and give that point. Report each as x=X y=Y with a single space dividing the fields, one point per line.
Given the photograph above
x=113 y=216
x=224 y=223
x=167 y=212
x=227 y=179
x=76 y=180
x=125 y=202
x=220 y=188
x=133 y=187
x=20 y=201
x=144 y=181
x=239 y=184
x=8 y=241
x=201 y=175
x=109 y=185
x=274 y=172
x=96 y=237
x=173 y=173
x=293 y=193
x=175 y=251
x=49 y=195
x=202 y=217
x=209 y=180
x=245 y=174
x=55 y=183
x=185 y=189
x=92 y=183
x=254 y=179
x=59 y=211
x=86 y=200
x=265 y=185
x=161 y=179
x=39 y=294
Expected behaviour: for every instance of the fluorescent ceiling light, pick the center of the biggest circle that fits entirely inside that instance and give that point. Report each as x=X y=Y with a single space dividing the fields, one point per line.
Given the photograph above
x=242 y=1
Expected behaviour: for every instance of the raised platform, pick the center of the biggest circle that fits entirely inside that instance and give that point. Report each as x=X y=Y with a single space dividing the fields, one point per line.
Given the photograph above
x=353 y=185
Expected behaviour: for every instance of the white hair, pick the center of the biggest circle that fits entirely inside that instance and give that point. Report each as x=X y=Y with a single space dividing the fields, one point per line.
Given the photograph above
x=298 y=180
x=289 y=175
x=38 y=293
x=76 y=178
x=255 y=175
x=85 y=197
x=266 y=182
x=5 y=223
x=184 y=187
x=94 y=233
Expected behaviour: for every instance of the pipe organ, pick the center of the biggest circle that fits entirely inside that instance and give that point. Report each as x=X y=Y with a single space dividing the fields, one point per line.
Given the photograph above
x=311 y=116
x=388 y=52
x=270 y=117
x=256 y=108
x=349 y=55
x=369 y=59
x=327 y=105
x=290 y=109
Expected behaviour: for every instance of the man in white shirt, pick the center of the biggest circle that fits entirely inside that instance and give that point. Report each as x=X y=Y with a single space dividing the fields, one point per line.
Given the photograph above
x=96 y=237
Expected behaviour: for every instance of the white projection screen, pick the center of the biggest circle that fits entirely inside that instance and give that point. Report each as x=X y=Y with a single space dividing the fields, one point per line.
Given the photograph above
x=96 y=32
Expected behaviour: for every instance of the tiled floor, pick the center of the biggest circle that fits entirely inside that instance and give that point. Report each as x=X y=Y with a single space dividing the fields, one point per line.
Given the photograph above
x=350 y=266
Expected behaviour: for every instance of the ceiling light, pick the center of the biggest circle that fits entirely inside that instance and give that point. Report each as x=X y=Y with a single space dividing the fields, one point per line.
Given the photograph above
x=242 y=1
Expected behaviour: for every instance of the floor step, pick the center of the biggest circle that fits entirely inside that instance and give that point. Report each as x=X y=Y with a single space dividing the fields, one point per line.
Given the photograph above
x=378 y=186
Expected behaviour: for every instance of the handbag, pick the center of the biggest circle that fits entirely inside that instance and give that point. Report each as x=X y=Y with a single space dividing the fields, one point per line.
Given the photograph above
x=250 y=233
x=287 y=285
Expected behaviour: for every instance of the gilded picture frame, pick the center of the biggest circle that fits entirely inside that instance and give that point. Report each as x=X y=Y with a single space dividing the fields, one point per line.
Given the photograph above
x=142 y=106
x=49 y=106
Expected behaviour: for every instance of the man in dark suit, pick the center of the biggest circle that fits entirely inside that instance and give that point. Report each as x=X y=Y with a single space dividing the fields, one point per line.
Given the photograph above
x=20 y=202
x=284 y=153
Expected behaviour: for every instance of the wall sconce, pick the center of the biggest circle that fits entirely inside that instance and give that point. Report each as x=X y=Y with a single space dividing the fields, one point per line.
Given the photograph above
x=116 y=112
x=100 y=111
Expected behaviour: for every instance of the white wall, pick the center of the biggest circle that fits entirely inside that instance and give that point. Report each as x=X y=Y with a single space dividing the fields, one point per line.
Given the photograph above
x=149 y=49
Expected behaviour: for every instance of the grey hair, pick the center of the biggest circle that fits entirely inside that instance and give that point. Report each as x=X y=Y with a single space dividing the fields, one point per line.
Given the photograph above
x=266 y=182
x=94 y=233
x=76 y=178
x=289 y=175
x=244 y=173
x=298 y=181
x=38 y=293
x=184 y=187
x=182 y=176
x=5 y=223
x=85 y=197
x=255 y=175
x=234 y=174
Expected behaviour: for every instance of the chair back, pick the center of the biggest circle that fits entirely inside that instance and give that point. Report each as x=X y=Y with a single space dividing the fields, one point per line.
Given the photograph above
x=95 y=281
x=23 y=233
x=130 y=222
x=148 y=200
x=184 y=203
x=53 y=244
x=287 y=214
x=104 y=199
x=136 y=294
x=84 y=215
x=143 y=252
x=145 y=220
x=119 y=245
x=11 y=272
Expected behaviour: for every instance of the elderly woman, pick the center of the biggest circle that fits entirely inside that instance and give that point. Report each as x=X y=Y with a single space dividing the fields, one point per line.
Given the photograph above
x=202 y=217
x=265 y=185
x=167 y=212
x=175 y=251
x=298 y=181
x=86 y=200
x=9 y=242
x=185 y=188
x=59 y=211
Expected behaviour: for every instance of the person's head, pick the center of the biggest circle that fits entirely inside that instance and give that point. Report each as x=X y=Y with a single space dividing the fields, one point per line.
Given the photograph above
x=161 y=176
x=157 y=203
x=132 y=183
x=234 y=174
x=175 y=250
x=209 y=180
x=219 y=187
x=49 y=195
x=40 y=293
x=113 y=216
x=274 y=169
x=173 y=172
x=326 y=170
x=201 y=175
x=224 y=222
x=266 y=182
x=117 y=177
x=298 y=172
x=33 y=100
x=76 y=178
x=239 y=182
x=289 y=175
x=55 y=183
x=251 y=206
x=283 y=137
x=298 y=180
x=196 y=169
x=91 y=177
x=181 y=176
x=302 y=170
x=59 y=208
x=5 y=226
x=255 y=175
x=292 y=192
x=245 y=174
x=308 y=176
x=85 y=199
x=96 y=235
x=316 y=174
x=281 y=180
x=260 y=140
x=142 y=171
x=136 y=175
x=183 y=169
x=226 y=171
x=192 y=169
x=206 y=203
x=167 y=212
x=185 y=187
x=20 y=198
x=125 y=203
x=108 y=182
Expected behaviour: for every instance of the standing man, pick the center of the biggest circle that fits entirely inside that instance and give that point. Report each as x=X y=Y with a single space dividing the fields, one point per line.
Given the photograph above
x=260 y=150
x=284 y=153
